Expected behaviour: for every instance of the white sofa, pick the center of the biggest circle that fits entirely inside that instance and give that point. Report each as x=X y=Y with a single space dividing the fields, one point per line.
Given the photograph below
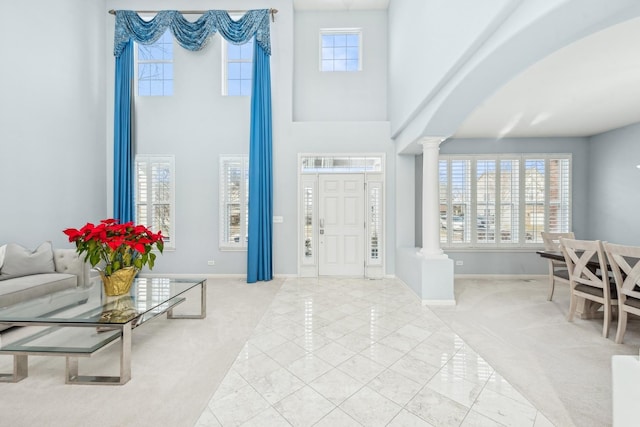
x=26 y=274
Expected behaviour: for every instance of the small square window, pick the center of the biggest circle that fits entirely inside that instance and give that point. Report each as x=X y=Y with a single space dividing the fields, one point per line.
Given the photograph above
x=340 y=50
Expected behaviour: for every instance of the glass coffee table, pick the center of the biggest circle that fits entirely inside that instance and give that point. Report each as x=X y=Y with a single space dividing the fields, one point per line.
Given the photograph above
x=82 y=321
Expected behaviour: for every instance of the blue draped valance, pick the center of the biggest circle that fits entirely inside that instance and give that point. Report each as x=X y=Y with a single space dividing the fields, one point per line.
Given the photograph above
x=192 y=35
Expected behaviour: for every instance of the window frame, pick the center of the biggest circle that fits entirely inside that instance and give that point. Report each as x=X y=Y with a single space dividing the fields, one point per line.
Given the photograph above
x=340 y=31
x=137 y=61
x=241 y=245
x=472 y=242
x=150 y=159
x=224 y=48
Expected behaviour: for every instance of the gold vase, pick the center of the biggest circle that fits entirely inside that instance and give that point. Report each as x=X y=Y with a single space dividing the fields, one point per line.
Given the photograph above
x=119 y=282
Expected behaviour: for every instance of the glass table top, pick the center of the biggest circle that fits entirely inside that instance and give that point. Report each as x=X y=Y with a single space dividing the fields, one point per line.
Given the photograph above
x=88 y=305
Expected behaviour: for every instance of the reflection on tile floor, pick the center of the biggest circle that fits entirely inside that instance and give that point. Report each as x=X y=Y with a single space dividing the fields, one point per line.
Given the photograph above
x=355 y=352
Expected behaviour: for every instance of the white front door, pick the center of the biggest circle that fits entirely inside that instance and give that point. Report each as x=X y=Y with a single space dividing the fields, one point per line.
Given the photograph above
x=341 y=225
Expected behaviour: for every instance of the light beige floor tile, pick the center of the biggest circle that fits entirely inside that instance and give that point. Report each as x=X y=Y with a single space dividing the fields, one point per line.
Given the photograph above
x=455 y=388
x=286 y=353
x=382 y=354
x=336 y=386
x=395 y=386
x=277 y=385
x=414 y=368
x=231 y=383
x=407 y=419
x=256 y=367
x=437 y=409
x=312 y=341
x=305 y=407
x=475 y=419
x=334 y=353
x=399 y=342
x=309 y=367
x=501 y=386
x=467 y=364
x=238 y=407
x=337 y=418
x=355 y=341
x=361 y=368
x=373 y=331
x=370 y=408
x=504 y=410
x=269 y=417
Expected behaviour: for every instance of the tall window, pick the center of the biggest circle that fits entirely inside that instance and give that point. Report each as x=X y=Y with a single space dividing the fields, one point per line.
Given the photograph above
x=155 y=67
x=155 y=195
x=234 y=202
x=340 y=49
x=237 y=68
x=503 y=201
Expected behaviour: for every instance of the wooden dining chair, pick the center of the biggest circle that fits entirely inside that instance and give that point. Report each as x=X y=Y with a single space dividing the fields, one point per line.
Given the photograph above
x=586 y=281
x=625 y=265
x=558 y=271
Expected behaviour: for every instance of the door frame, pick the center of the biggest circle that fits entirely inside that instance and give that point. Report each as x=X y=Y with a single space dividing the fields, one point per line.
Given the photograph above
x=308 y=190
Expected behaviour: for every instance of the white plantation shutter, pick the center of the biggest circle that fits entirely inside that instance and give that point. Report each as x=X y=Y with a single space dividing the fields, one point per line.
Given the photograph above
x=559 y=195
x=155 y=195
x=503 y=200
x=509 y=199
x=234 y=182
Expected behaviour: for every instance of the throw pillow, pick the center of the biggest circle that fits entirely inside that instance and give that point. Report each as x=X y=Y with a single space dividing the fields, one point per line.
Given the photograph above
x=3 y=248
x=20 y=261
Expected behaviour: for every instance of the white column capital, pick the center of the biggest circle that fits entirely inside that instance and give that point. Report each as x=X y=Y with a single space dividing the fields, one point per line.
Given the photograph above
x=431 y=141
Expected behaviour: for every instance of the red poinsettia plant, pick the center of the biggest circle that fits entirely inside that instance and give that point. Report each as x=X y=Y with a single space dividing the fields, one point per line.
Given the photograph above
x=117 y=245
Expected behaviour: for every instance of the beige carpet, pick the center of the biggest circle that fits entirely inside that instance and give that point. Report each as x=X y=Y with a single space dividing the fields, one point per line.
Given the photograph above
x=563 y=368
x=177 y=366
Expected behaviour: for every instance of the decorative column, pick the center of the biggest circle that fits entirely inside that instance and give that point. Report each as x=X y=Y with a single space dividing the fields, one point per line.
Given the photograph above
x=431 y=198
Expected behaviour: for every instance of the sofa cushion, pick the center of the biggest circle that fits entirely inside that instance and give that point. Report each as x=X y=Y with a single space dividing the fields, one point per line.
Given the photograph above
x=20 y=289
x=3 y=248
x=20 y=261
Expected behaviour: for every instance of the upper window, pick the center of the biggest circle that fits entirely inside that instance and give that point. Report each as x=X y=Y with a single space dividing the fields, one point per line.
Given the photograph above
x=340 y=50
x=234 y=202
x=155 y=196
x=503 y=201
x=155 y=67
x=237 y=68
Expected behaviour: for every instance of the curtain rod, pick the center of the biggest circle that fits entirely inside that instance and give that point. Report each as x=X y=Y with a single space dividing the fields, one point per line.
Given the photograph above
x=200 y=12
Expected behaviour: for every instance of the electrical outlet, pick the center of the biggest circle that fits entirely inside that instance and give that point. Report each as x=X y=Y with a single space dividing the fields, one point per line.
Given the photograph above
x=459 y=262
x=212 y=262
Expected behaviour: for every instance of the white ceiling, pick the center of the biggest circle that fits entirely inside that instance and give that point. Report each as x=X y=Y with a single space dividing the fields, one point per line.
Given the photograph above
x=589 y=87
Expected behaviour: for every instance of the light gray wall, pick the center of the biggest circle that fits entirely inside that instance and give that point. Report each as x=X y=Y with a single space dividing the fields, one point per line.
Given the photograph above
x=198 y=125
x=516 y=262
x=426 y=40
x=52 y=127
x=614 y=186
x=362 y=94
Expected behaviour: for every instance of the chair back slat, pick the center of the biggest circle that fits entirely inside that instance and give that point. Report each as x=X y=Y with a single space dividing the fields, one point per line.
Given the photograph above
x=551 y=241
x=625 y=264
x=578 y=254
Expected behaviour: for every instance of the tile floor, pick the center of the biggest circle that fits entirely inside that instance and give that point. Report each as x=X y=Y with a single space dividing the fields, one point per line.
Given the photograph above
x=352 y=352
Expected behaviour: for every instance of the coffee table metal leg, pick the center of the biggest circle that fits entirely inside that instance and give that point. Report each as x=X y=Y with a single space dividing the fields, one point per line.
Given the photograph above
x=125 y=365
x=20 y=369
x=203 y=306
